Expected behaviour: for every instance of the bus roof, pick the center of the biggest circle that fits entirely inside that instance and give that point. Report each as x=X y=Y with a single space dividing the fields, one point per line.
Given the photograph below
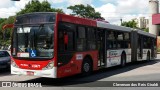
x=90 y=22
x=146 y=33
x=122 y=28
x=114 y=27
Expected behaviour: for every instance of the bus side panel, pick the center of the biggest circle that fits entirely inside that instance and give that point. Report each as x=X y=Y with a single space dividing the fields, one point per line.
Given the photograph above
x=145 y=51
x=114 y=57
x=74 y=65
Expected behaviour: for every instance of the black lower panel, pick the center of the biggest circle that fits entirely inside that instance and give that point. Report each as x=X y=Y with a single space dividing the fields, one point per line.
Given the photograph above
x=64 y=58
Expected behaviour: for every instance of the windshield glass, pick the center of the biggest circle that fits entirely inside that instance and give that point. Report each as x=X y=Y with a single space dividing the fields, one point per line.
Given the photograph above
x=33 y=41
x=4 y=54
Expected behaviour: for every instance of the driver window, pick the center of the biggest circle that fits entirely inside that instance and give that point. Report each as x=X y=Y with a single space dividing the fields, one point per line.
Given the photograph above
x=66 y=37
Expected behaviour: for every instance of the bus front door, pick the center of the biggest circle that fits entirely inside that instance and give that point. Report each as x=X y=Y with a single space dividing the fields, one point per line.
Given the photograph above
x=101 y=47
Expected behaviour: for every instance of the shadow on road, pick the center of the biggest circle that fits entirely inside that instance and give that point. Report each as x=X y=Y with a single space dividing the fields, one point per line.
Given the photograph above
x=97 y=75
x=4 y=71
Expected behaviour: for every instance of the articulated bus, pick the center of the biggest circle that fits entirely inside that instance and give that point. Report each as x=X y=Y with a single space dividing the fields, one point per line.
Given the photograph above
x=57 y=45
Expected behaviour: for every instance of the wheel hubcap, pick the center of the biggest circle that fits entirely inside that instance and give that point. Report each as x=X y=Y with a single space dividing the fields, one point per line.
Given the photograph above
x=86 y=67
x=123 y=61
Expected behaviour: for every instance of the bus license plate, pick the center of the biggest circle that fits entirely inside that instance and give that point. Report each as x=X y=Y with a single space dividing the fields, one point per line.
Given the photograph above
x=30 y=73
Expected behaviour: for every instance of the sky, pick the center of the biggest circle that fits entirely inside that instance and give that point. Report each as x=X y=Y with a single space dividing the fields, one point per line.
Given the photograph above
x=111 y=10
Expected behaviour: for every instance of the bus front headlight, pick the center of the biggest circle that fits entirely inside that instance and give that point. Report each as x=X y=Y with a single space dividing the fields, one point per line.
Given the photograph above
x=14 y=64
x=49 y=66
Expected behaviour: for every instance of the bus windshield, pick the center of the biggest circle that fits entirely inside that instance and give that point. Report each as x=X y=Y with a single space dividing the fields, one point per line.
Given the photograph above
x=33 y=41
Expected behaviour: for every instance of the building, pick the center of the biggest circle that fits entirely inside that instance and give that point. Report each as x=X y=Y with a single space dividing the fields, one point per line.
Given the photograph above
x=153 y=9
x=156 y=21
x=142 y=22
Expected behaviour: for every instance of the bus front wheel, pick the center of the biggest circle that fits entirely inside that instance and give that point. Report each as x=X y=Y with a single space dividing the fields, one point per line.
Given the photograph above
x=86 y=67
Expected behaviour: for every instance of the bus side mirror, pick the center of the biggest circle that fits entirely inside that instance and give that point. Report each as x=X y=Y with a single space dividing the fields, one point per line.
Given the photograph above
x=5 y=27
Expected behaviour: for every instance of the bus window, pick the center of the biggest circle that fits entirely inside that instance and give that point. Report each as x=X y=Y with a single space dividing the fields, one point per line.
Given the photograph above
x=119 y=44
x=111 y=40
x=111 y=35
x=119 y=36
x=66 y=37
x=60 y=40
x=126 y=36
x=145 y=39
x=114 y=44
x=70 y=45
x=81 y=41
x=91 y=39
x=81 y=33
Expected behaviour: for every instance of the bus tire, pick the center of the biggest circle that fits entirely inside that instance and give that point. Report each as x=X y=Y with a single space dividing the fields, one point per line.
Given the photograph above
x=148 y=56
x=86 y=67
x=123 y=60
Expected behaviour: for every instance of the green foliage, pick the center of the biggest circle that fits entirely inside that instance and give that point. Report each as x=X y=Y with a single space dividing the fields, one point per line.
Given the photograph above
x=7 y=32
x=32 y=6
x=10 y=20
x=5 y=42
x=2 y=20
x=158 y=49
x=85 y=11
x=146 y=29
x=131 y=24
x=1 y=31
x=37 y=6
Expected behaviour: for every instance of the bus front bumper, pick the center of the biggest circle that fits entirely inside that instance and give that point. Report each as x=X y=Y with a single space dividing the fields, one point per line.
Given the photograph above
x=51 y=73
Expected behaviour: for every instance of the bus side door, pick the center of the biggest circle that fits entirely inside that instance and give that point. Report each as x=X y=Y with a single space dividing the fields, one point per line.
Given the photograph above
x=101 y=47
x=140 y=47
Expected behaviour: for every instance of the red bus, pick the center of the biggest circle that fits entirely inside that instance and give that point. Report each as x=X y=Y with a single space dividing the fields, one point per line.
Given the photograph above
x=57 y=45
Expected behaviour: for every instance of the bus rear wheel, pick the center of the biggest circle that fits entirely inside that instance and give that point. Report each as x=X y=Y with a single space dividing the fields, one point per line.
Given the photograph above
x=123 y=60
x=86 y=67
x=148 y=56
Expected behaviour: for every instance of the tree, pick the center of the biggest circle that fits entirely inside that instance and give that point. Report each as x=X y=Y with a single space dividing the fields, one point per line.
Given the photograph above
x=131 y=24
x=7 y=32
x=85 y=11
x=32 y=6
x=146 y=29
x=2 y=20
x=36 y=6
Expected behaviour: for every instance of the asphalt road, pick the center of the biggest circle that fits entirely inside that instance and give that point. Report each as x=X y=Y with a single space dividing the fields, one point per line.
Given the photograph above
x=140 y=71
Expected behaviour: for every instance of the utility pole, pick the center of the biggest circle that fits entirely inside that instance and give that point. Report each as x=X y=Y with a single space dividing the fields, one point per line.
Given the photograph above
x=121 y=20
x=153 y=9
